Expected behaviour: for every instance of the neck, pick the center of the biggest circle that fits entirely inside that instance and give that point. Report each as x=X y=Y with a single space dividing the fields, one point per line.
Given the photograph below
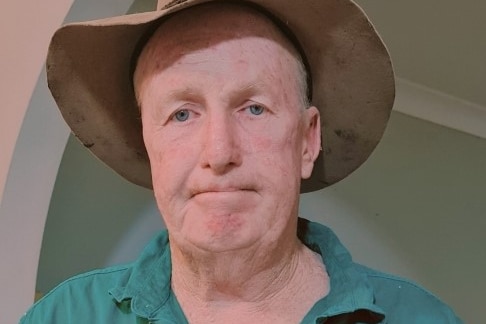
x=256 y=283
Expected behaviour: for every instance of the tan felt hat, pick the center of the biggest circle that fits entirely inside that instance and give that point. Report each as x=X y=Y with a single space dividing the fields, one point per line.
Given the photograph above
x=89 y=70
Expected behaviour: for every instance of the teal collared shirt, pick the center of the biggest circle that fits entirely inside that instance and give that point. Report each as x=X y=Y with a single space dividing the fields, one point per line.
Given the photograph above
x=141 y=292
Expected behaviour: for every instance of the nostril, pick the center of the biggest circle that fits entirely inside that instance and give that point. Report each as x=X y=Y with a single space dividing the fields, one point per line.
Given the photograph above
x=221 y=155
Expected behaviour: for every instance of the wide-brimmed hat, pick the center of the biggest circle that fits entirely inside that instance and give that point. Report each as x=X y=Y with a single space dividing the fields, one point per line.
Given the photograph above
x=90 y=66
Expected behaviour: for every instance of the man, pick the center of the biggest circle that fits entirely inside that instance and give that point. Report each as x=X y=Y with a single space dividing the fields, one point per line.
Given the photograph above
x=224 y=91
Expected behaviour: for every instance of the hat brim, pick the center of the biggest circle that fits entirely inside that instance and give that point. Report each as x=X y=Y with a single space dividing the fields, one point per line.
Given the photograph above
x=89 y=75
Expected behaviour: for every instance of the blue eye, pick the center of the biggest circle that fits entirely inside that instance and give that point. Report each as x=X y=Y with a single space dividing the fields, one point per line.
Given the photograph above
x=182 y=115
x=256 y=109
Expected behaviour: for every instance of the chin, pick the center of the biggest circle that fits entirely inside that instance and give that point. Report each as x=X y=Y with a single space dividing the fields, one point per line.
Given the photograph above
x=222 y=233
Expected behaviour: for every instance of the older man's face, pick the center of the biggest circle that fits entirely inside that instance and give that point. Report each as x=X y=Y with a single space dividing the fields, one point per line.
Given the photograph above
x=225 y=130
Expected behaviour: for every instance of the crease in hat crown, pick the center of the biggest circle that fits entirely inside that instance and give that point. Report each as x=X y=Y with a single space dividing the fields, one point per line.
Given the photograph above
x=88 y=71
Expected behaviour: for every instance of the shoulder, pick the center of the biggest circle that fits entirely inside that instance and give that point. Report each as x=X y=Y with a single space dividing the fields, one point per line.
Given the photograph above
x=69 y=301
x=104 y=295
x=407 y=302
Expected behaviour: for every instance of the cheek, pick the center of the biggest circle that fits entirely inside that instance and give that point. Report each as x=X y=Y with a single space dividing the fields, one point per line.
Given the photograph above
x=279 y=153
x=170 y=171
x=168 y=163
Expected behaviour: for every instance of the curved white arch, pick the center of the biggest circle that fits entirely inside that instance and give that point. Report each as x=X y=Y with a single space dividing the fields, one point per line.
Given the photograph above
x=30 y=161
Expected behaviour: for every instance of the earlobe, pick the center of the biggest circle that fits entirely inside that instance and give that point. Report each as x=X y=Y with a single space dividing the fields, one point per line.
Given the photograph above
x=311 y=140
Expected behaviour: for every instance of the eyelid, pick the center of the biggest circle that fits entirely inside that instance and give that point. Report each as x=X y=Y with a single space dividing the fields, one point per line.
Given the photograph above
x=170 y=112
x=184 y=107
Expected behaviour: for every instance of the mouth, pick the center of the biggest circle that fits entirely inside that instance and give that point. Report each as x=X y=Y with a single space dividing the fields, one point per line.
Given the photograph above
x=220 y=190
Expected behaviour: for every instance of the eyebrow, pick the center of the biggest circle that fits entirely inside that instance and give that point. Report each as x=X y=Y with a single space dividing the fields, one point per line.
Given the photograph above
x=179 y=94
x=192 y=93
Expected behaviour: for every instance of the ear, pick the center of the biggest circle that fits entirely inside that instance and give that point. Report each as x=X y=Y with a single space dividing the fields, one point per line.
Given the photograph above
x=311 y=140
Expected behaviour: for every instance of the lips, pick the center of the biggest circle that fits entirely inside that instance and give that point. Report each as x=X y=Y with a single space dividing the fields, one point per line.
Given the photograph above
x=219 y=189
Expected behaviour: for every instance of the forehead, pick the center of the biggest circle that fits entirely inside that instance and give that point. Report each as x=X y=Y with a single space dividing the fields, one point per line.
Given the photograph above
x=205 y=26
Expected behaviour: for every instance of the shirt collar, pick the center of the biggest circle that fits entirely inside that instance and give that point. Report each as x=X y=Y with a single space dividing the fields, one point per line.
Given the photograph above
x=350 y=290
x=146 y=285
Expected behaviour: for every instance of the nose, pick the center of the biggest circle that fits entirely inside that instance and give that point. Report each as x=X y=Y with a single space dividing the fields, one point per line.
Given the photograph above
x=221 y=145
